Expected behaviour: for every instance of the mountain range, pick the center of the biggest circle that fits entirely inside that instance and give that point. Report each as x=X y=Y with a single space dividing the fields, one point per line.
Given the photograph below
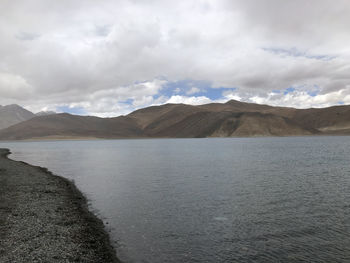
x=231 y=119
x=13 y=114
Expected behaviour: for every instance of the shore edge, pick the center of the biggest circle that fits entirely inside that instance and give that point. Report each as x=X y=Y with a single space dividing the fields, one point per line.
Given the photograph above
x=97 y=238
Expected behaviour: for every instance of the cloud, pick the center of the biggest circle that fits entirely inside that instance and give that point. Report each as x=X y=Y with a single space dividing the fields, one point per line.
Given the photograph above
x=299 y=97
x=293 y=52
x=193 y=90
x=104 y=57
x=189 y=100
x=303 y=99
x=25 y=36
x=16 y=86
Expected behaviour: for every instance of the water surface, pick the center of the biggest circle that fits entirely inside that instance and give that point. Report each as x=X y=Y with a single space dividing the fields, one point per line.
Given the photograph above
x=212 y=200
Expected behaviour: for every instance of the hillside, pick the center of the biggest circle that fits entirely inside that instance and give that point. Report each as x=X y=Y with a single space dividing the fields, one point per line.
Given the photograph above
x=231 y=119
x=66 y=125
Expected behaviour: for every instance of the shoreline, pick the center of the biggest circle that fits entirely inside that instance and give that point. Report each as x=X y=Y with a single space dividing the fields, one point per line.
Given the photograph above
x=69 y=138
x=45 y=218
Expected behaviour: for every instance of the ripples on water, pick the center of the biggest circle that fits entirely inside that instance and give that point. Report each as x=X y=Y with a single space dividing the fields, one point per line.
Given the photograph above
x=213 y=200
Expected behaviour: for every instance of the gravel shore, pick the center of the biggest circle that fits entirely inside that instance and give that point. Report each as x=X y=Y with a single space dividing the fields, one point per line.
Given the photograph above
x=44 y=218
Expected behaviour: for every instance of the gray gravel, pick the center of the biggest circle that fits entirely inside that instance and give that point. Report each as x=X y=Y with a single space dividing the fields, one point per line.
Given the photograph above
x=44 y=218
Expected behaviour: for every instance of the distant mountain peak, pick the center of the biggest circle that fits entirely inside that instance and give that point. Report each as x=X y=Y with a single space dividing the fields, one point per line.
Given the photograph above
x=13 y=106
x=13 y=114
x=45 y=113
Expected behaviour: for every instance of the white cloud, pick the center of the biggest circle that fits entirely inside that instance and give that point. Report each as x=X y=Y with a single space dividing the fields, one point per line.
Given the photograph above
x=298 y=98
x=16 y=86
x=189 y=100
x=193 y=90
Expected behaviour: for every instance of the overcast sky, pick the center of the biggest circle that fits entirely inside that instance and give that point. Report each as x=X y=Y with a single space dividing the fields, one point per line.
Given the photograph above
x=107 y=58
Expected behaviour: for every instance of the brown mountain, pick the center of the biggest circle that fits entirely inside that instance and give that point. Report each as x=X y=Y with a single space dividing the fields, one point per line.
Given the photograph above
x=66 y=125
x=231 y=119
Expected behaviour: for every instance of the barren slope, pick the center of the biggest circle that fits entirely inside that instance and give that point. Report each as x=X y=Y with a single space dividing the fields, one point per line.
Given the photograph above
x=233 y=118
x=67 y=125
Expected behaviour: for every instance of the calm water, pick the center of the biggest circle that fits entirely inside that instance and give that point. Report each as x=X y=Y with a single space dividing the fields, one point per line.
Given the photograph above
x=212 y=200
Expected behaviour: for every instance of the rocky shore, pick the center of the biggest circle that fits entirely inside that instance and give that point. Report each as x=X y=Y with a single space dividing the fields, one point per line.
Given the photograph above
x=44 y=218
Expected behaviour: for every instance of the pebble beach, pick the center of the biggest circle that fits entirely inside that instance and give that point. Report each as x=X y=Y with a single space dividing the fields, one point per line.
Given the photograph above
x=44 y=218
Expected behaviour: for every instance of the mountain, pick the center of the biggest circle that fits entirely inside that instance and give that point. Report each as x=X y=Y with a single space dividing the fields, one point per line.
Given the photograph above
x=216 y=120
x=66 y=125
x=332 y=120
x=44 y=113
x=231 y=119
x=13 y=114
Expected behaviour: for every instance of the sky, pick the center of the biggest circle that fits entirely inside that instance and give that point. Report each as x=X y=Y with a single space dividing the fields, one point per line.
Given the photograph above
x=109 y=57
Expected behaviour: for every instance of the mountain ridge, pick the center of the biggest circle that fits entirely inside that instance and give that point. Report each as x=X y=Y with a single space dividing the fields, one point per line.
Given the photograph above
x=230 y=119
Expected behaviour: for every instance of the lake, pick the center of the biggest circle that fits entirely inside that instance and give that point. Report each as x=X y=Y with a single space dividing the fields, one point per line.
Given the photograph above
x=212 y=200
